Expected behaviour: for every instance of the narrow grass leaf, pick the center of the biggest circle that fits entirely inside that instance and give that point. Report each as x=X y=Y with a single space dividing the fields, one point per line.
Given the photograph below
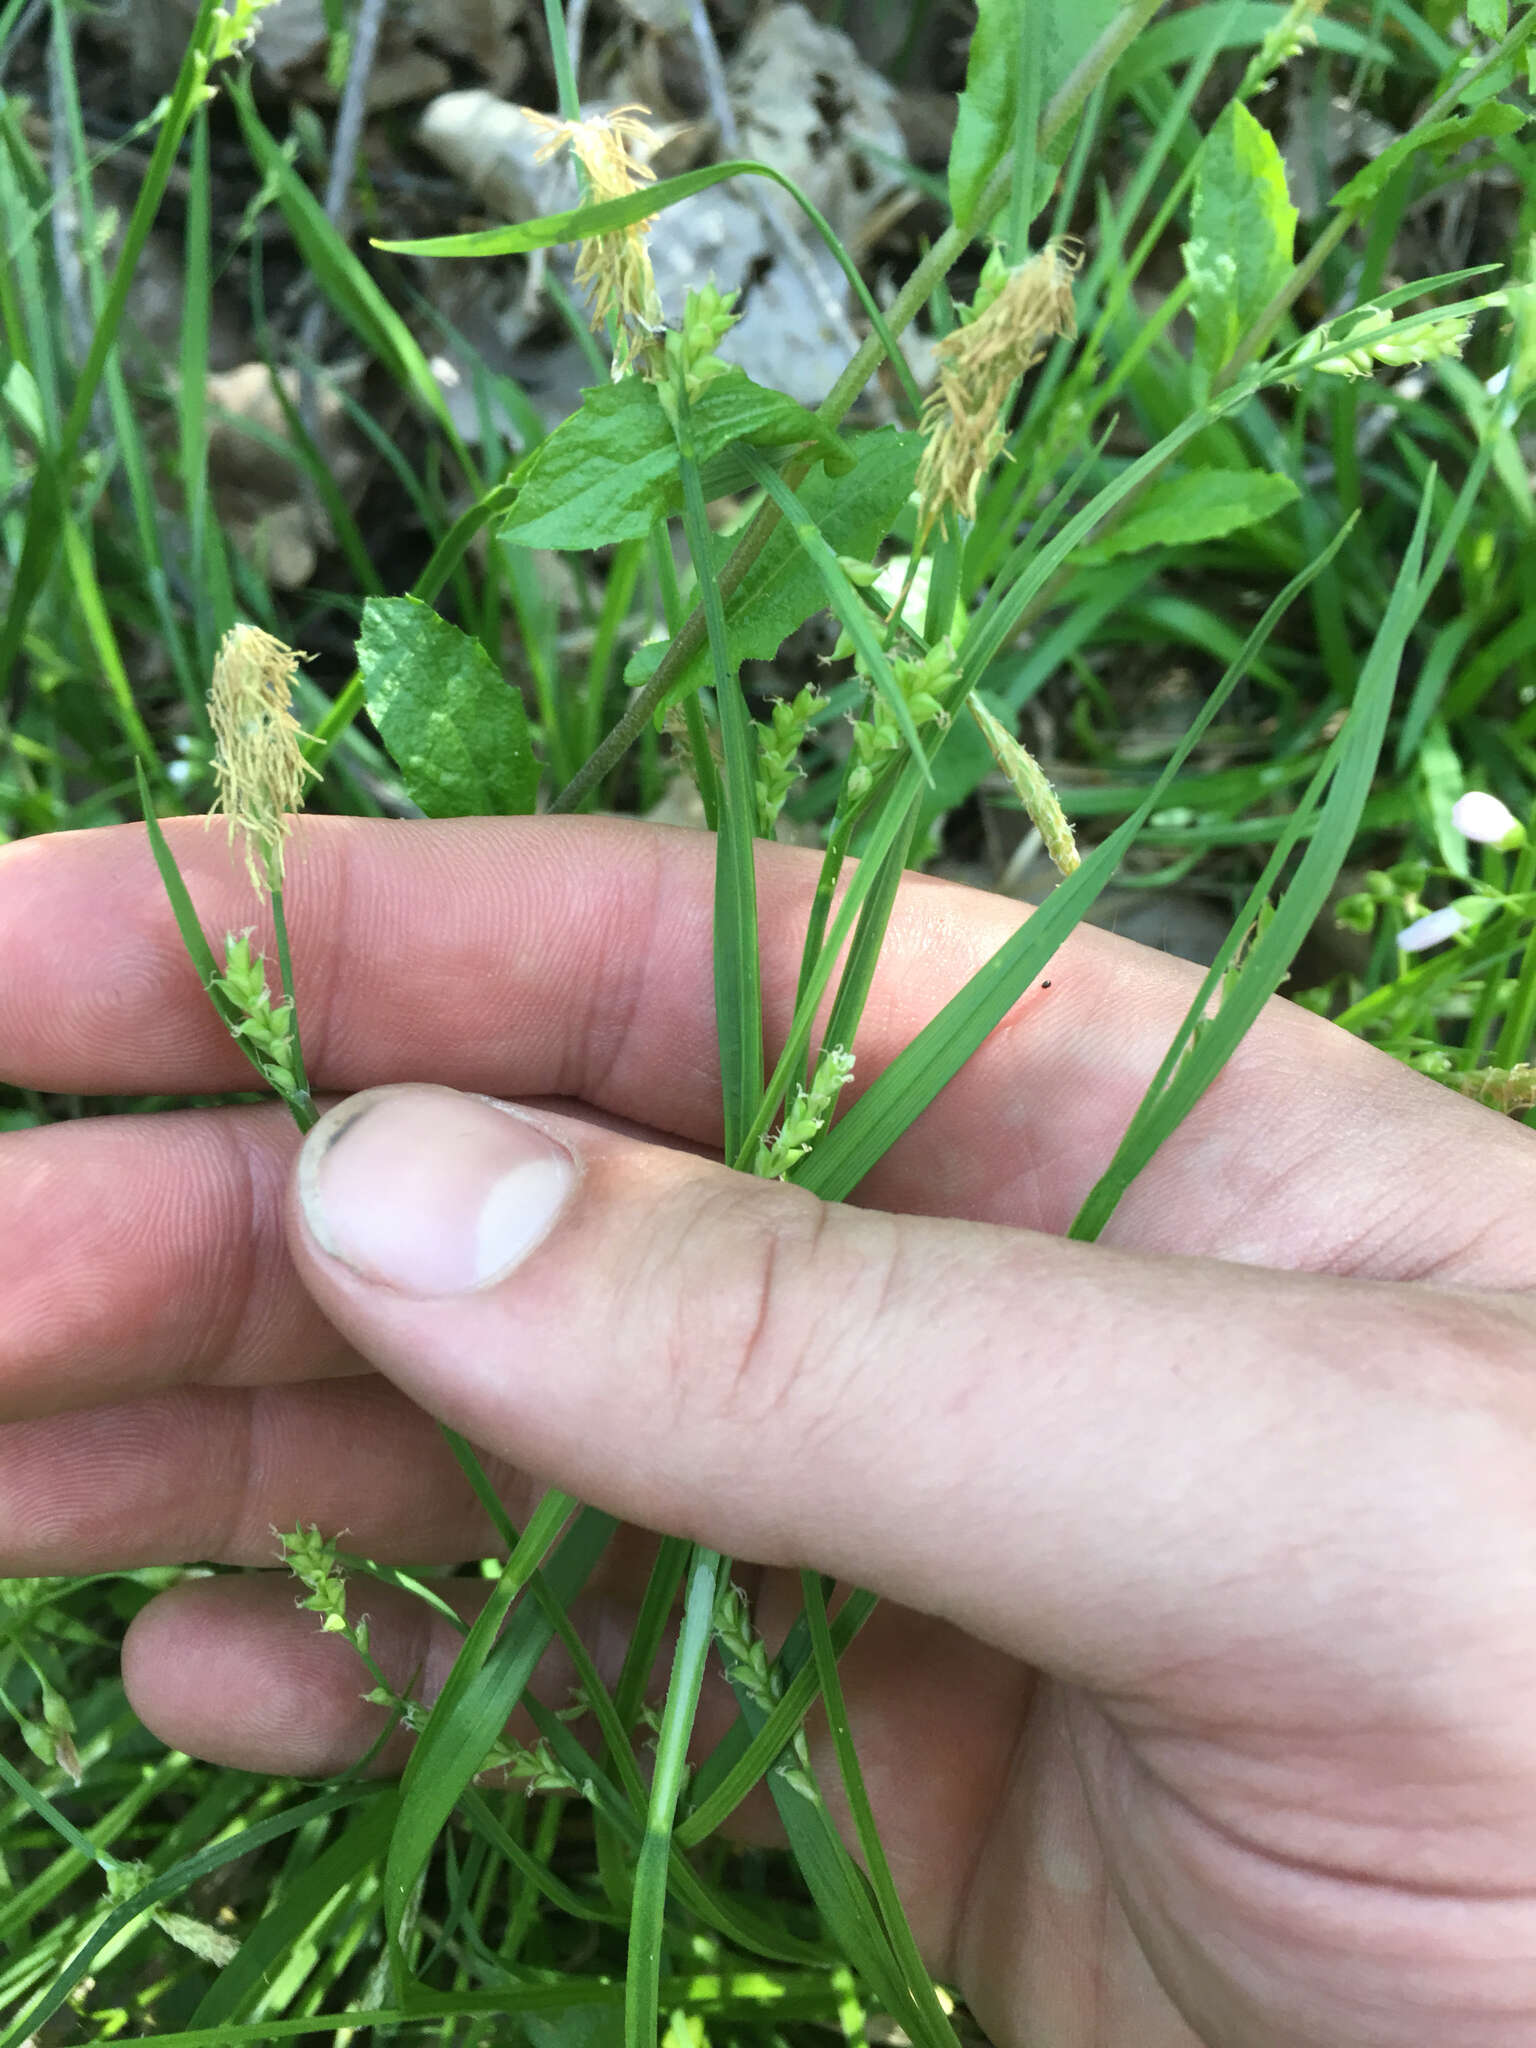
x=340 y=275
x=192 y=935
x=239 y=1987
x=852 y=513
x=485 y=1685
x=607 y=216
x=864 y=954
x=165 y=1885
x=1205 y=1043
x=648 y=1912
x=50 y=493
x=738 y=977
x=746 y=1753
x=852 y=1147
x=937 y=2030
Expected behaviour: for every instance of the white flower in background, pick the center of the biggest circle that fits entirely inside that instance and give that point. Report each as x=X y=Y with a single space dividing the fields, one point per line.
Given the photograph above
x=1488 y=820
x=1432 y=930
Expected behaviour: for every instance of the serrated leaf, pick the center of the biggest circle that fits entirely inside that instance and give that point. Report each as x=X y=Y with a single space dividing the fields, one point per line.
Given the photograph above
x=1437 y=141
x=984 y=126
x=454 y=726
x=1178 y=511
x=1242 y=233
x=853 y=512
x=610 y=471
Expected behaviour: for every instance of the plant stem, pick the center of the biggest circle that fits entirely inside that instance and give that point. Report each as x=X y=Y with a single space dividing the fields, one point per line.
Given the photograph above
x=560 y=56
x=650 y=1901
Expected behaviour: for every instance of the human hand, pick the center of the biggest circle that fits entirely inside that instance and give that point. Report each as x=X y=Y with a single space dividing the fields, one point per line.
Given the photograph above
x=1200 y=1710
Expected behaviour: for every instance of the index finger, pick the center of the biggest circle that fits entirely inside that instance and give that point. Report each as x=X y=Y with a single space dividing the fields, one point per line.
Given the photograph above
x=572 y=957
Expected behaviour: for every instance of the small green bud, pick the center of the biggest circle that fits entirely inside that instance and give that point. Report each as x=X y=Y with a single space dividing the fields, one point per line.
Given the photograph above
x=1355 y=913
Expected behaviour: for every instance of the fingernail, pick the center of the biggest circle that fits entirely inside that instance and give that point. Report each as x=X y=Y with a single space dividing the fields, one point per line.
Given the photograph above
x=430 y=1191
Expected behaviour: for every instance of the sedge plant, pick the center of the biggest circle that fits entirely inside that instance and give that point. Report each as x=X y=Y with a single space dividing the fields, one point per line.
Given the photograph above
x=1007 y=513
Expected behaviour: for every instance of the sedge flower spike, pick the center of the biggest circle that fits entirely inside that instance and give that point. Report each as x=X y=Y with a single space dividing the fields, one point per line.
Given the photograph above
x=1033 y=788
x=1488 y=821
x=258 y=761
x=1016 y=314
x=614 y=270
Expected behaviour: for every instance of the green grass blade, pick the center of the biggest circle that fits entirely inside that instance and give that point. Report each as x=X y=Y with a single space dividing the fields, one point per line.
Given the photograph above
x=208 y=564
x=648 y=1912
x=837 y=1885
x=240 y=1985
x=1204 y=1044
x=342 y=277
x=50 y=496
x=741 y=1758
x=864 y=954
x=165 y=1886
x=845 y=1154
x=192 y=935
x=485 y=1685
x=661 y=1589
x=738 y=976
x=560 y=1895
x=606 y=216
x=937 y=2030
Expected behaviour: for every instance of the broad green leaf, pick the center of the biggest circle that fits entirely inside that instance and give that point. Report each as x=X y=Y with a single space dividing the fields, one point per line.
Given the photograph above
x=454 y=725
x=1436 y=141
x=1201 y=505
x=984 y=129
x=610 y=471
x=1490 y=18
x=1242 y=233
x=854 y=513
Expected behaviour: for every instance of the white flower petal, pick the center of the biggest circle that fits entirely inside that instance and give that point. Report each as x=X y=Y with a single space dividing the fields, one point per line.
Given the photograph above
x=1485 y=818
x=1432 y=930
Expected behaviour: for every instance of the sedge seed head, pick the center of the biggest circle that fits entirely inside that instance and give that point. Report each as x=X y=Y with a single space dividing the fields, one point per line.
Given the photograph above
x=1032 y=786
x=258 y=761
x=614 y=270
x=978 y=366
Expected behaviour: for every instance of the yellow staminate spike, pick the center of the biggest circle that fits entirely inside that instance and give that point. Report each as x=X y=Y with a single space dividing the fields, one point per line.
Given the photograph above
x=615 y=269
x=978 y=365
x=258 y=762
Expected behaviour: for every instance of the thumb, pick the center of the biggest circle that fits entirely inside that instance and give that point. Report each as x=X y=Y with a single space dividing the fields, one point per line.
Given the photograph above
x=1107 y=1463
